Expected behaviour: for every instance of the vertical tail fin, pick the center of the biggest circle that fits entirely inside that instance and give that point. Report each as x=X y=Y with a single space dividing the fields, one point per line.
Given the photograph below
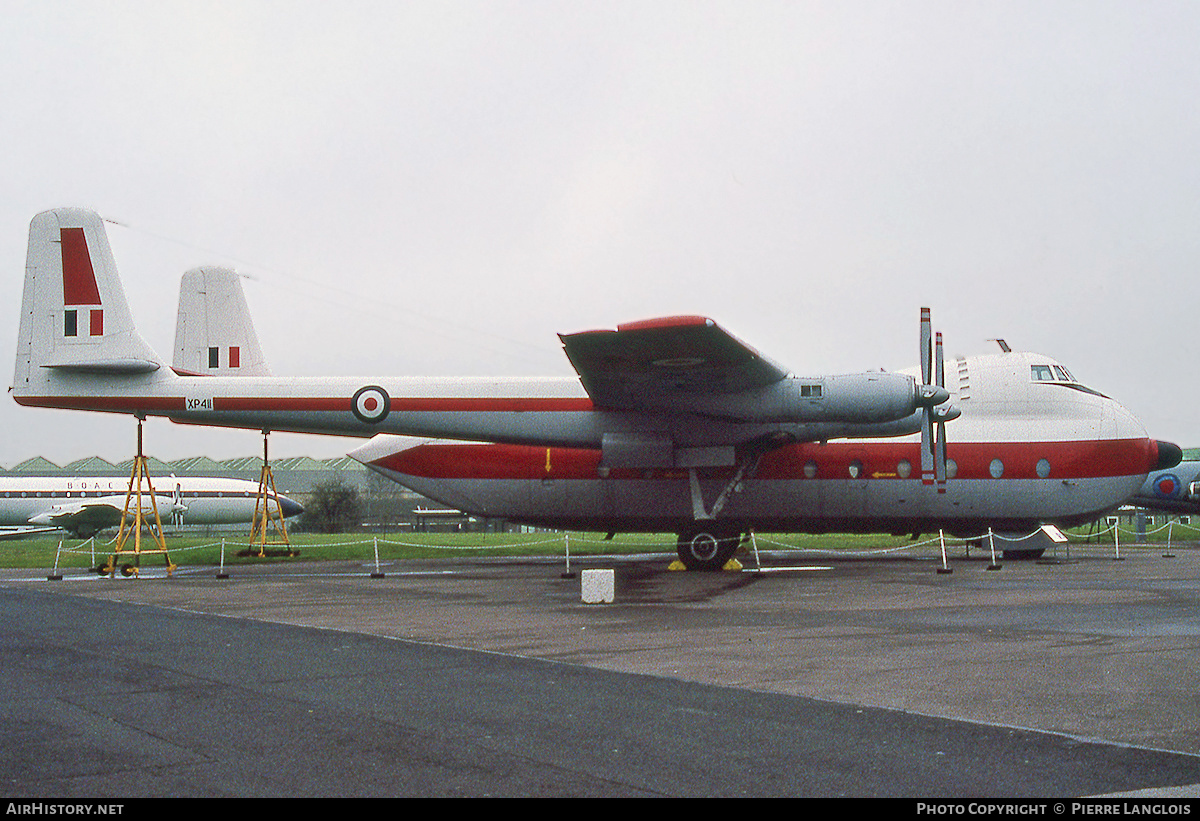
x=214 y=334
x=74 y=316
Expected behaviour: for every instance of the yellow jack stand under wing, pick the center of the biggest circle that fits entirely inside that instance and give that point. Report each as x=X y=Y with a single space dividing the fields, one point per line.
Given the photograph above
x=268 y=512
x=134 y=519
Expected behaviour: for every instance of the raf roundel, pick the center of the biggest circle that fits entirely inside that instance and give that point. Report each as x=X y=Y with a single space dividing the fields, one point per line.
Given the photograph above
x=371 y=404
x=1167 y=486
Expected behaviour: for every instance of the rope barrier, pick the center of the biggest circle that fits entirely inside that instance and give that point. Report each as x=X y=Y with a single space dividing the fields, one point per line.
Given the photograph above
x=89 y=545
x=567 y=540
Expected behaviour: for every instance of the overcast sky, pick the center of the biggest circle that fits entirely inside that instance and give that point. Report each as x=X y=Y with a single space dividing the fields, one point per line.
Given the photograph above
x=442 y=187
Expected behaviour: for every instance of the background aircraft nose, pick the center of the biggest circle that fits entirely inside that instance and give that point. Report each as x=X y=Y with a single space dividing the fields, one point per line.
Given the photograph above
x=290 y=507
x=1169 y=455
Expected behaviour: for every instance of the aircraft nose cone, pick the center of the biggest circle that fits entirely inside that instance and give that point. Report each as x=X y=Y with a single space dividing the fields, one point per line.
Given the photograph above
x=1169 y=455
x=290 y=507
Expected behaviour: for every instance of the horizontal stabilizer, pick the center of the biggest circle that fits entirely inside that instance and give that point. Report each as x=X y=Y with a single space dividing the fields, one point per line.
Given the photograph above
x=111 y=366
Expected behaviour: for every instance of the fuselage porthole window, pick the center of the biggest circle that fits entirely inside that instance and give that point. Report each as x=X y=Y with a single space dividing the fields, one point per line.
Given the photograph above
x=996 y=468
x=810 y=469
x=1043 y=468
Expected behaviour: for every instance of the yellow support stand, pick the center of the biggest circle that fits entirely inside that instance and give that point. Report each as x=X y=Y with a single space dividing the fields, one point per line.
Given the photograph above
x=135 y=510
x=266 y=519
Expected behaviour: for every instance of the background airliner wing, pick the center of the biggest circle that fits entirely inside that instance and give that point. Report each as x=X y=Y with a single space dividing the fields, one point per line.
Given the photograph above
x=12 y=532
x=77 y=517
x=673 y=356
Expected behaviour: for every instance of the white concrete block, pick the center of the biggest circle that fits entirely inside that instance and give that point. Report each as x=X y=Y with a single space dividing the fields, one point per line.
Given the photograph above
x=598 y=586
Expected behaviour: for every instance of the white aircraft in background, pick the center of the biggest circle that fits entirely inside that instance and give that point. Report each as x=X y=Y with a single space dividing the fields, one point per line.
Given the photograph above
x=673 y=424
x=83 y=506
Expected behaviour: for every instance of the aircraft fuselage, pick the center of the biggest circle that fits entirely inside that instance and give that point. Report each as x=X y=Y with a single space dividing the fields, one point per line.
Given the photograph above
x=90 y=503
x=1022 y=453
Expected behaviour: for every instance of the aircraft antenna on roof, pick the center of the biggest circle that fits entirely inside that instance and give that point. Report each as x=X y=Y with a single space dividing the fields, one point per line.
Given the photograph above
x=1003 y=345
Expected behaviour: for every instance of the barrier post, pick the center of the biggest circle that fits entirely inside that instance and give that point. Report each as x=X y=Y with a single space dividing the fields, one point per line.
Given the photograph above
x=567 y=574
x=945 y=568
x=992 y=542
x=1169 y=554
x=55 y=576
x=378 y=574
x=1117 y=542
x=221 y=574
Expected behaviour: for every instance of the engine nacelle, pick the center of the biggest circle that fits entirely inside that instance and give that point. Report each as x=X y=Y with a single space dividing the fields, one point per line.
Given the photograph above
x=864 y=398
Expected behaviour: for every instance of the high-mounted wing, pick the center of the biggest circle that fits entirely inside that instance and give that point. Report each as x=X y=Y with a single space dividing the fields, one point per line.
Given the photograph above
x=654 y=359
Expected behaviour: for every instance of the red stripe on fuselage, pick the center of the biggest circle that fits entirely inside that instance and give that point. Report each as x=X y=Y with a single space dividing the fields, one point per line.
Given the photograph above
x=878 y=461
x=407 y=404
x=318 y=403
x=281 y=404
x=490 y=405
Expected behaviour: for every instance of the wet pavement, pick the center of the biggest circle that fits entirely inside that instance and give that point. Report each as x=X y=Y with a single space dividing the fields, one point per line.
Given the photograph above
x=1098 y=653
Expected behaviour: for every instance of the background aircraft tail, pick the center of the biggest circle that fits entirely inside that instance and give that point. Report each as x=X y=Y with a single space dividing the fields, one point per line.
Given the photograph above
x=74 y=315
x=214 y=334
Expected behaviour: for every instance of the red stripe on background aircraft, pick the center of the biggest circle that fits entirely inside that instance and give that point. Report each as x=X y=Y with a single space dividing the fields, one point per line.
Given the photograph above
x=673 y=424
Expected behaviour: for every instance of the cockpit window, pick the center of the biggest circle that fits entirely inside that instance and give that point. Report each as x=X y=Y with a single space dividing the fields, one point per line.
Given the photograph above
x=1050 y=373
x=1059 y=375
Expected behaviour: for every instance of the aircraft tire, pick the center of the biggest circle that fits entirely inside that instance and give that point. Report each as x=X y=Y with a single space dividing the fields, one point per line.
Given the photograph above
x=706 y=550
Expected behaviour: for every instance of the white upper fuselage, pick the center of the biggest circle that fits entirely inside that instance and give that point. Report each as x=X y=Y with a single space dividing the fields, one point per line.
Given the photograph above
x=1022 y=396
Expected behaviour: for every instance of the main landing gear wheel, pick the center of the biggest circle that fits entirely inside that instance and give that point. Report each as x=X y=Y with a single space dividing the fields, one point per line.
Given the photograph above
x=706 y=549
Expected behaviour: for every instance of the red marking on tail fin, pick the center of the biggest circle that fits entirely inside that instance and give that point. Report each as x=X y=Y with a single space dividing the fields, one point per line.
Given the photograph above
x=79 y=279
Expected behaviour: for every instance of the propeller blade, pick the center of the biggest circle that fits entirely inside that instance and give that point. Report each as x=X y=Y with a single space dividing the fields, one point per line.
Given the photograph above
x=939 y=459
x=926 y=350
x=940 y=362
x=927 y=431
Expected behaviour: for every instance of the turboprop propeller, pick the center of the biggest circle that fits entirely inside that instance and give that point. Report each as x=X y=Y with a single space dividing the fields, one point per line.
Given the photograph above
x=936 y=413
